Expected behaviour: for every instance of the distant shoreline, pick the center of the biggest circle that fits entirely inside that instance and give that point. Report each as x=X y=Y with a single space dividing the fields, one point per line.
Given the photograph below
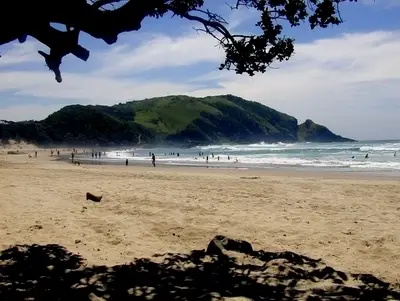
x=183 y=145
x=275 y=169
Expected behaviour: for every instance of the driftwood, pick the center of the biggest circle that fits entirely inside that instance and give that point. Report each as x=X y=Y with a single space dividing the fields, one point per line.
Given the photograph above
x=93 y=198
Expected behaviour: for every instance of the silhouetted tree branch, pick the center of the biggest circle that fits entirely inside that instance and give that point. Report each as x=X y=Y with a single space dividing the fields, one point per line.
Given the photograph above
x=106 y=19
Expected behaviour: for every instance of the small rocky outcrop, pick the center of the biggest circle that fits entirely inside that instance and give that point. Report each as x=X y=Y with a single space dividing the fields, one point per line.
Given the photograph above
x=219 y=244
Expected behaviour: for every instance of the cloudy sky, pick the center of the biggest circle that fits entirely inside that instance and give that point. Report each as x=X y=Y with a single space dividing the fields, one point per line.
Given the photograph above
x=346 y=77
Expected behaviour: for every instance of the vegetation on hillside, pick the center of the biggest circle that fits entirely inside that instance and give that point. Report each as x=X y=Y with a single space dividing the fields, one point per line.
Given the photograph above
x=312 y=132
x=180 y=120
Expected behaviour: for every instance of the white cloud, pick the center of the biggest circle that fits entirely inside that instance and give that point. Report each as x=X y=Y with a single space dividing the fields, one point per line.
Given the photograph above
x=91 y=89
x=240 y=16
x=160 y=52
x=350 y=83
x=19 y=53
x=27 y=112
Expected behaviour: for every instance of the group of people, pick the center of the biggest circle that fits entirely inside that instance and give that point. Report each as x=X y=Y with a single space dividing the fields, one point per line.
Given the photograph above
x=98 y=155
x=171 y=154
x=201 y=154
x=367 y=156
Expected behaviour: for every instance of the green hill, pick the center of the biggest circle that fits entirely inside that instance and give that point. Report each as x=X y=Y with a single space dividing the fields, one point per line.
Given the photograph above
x=312 y=132
x=172 y=119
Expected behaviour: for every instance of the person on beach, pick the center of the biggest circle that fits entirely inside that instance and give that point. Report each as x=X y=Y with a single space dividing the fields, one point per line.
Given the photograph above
x=126 y=162
x=35 y=154
x=207 y=160
x=153 y=160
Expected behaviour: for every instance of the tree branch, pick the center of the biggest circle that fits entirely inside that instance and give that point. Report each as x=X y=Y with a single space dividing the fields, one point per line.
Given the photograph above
x=247 y=53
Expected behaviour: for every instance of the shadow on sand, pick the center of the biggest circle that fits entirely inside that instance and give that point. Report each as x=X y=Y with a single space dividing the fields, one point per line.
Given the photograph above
x=50 y=272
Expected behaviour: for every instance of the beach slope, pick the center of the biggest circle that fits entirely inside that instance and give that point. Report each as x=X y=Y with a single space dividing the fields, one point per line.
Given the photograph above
x=351 y=223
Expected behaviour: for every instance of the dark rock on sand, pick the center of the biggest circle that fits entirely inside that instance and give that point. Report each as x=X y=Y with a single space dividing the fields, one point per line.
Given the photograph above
x=220 y=243
x=93 y=197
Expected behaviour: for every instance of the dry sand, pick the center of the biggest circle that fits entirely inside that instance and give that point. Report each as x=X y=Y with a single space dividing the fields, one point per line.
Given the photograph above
x=352 y=223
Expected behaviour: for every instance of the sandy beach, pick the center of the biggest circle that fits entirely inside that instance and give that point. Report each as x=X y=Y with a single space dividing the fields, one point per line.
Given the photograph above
x=351 y=223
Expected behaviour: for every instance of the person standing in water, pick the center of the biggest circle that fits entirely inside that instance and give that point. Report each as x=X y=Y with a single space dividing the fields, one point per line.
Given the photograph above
x=153 y=160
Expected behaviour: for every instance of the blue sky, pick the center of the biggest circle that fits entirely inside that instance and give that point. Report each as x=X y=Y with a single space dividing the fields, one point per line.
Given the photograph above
x=344 y=77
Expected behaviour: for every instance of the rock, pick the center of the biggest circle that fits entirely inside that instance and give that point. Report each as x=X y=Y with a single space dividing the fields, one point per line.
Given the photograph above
x=36 y=227
x=220 y=243
x=93 y=198
x=77 y=241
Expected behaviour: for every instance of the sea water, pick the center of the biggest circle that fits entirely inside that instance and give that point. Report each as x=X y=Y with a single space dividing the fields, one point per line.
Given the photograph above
x=382 y=155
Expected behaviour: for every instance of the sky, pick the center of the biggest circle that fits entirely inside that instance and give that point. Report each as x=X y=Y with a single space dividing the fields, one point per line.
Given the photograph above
x=345 y=77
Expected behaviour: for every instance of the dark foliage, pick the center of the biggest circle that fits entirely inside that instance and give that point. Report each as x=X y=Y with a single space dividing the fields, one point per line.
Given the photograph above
x=50 y=272
x=106 y=19
x=79 y=126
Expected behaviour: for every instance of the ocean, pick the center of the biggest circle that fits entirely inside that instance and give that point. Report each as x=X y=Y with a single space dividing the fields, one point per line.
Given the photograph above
x=347 y=156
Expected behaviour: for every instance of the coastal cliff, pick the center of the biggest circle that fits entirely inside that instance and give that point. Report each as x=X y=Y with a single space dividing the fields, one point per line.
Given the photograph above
x=312 y=132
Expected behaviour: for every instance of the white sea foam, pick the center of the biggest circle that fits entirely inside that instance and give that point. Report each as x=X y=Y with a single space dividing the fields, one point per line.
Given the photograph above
x=319 y=155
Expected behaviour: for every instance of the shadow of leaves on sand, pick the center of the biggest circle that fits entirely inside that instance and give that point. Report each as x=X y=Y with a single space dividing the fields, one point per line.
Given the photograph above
x=50 y=272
